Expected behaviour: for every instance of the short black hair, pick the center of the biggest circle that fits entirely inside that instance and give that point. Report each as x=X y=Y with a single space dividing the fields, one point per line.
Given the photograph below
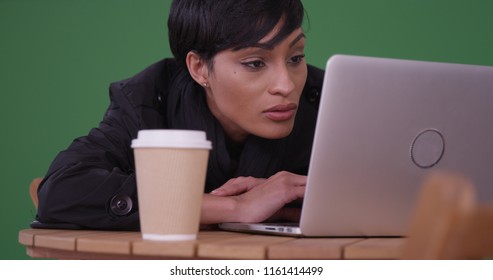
x=211 y=26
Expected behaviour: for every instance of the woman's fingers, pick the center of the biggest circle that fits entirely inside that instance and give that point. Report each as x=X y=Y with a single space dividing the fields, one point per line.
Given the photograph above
x=288 y=178
x=258 y=199
x=258 y=207
x=266 y=199
x=237 y=186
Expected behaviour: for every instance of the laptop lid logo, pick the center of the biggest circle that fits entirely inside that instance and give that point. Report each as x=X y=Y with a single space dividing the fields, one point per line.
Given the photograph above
x=427 y=148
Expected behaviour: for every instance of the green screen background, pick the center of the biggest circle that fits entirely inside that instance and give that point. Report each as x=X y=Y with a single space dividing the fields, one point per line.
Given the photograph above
x=57 y=58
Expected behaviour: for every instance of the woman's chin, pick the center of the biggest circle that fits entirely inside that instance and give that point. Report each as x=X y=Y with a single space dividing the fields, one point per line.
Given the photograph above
x=275 y=132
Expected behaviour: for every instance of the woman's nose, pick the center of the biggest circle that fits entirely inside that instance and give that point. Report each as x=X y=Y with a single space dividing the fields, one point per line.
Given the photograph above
x=281 y=81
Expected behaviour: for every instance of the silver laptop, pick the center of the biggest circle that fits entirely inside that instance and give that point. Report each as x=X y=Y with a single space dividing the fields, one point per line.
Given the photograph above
x=383 y=125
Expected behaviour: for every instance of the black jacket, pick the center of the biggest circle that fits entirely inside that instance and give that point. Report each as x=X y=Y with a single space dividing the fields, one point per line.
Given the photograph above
x=92 y=183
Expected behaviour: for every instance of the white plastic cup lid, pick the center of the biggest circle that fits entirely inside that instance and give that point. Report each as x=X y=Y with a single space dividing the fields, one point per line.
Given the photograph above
x=171 y=138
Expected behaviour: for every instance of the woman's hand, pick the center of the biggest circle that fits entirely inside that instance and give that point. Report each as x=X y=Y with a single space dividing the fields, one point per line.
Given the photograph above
x=238 y=186
x=257 y=200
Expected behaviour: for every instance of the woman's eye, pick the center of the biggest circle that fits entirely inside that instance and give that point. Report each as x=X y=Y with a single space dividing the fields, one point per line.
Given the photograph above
x=297 y=59
x=256 y=64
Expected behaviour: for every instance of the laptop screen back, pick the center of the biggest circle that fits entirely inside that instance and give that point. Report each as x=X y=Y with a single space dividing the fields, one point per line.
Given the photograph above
x=383 y=125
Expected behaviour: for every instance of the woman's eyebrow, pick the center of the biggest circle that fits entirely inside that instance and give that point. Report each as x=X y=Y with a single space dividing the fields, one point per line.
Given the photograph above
x=302 y=35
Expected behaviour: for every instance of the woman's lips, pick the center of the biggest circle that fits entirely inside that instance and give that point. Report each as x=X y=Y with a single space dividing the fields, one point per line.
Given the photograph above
x=281 y=112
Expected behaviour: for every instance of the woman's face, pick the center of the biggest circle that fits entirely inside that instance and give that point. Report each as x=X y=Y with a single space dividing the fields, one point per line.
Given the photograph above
x=256 y=90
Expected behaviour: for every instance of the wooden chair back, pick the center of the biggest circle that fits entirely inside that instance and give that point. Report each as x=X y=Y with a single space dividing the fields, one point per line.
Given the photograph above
x=448 y=223
x=33 y=190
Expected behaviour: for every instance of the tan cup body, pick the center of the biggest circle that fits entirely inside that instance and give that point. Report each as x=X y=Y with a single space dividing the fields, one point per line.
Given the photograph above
x=170 y=186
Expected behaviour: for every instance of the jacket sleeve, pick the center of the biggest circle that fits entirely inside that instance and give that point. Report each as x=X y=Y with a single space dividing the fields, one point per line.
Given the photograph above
x=92 y=183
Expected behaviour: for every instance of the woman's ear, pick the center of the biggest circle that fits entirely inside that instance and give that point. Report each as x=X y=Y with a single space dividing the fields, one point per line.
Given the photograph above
x=197 y=68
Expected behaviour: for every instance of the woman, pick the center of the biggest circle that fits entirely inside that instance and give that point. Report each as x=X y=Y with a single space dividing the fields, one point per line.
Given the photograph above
x=239 y=74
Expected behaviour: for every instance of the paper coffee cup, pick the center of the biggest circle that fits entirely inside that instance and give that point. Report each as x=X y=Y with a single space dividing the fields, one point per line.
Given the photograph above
x=170 y=170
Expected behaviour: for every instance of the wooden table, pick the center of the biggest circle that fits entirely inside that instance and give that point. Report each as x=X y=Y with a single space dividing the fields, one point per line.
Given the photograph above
x=84 y=244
